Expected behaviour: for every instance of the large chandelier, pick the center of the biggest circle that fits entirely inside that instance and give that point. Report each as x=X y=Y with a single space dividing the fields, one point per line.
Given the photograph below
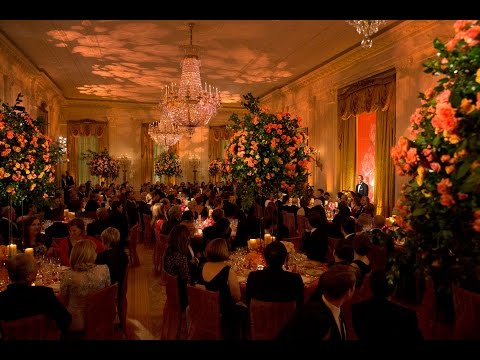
x=366 y=28
x=188 y=104
x=164 y=132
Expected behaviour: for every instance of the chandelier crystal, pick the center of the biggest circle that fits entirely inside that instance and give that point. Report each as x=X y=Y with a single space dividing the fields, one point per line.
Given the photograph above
x=164 y=132
x=366 y=28
x=188 y=104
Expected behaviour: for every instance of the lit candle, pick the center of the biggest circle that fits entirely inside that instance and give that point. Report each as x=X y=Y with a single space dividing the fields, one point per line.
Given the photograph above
x=252 y=244
x=12 y=249
x=29 y=251
x=273 y=238
x=267 y=238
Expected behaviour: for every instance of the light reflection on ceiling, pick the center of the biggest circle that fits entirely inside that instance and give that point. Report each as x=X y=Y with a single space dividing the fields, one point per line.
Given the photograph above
x=132 y=60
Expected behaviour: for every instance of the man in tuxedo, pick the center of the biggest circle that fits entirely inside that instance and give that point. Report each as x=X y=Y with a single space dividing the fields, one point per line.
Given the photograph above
x=273 y=283
x=321 y=319
x=379 y=319
x=20 y=299
x=69 y=180
x=361 y=188
x=315 y=242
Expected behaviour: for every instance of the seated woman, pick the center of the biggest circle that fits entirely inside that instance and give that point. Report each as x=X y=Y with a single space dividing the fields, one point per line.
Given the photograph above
x=360 y=259
x=114 y=256
x=33 y=238
x=179 y=260
x=76 y=232
x=82 y=279
x=216 y=275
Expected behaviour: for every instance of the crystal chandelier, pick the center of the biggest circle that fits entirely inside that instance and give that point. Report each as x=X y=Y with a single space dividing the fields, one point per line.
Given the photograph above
x=164 y=132
x=366 y=28
x=188 y=104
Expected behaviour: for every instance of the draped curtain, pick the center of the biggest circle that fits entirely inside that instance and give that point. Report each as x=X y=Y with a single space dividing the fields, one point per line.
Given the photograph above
x=150 y=151
x=218 y=138
x=86 y=134
x=376 y=94
x=147 y=155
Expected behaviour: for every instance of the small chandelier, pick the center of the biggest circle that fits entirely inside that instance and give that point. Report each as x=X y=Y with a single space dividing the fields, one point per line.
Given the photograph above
x=366 y=28
x=188 y=104
x=164 y=132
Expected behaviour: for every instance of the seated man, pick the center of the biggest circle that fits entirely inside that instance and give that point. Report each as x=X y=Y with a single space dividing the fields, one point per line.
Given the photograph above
x=380 y=319
x=273 y=283
x=21 y=299
x=321 y=319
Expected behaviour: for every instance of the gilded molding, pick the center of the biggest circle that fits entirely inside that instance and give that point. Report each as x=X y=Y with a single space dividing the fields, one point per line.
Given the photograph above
x=402 y=32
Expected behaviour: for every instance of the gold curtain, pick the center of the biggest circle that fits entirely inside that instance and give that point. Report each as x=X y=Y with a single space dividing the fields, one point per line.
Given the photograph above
x=346 y=153
x=384 y=191
x=216 y=136
x=369 y=95
x=86 y=127
x=146 y=161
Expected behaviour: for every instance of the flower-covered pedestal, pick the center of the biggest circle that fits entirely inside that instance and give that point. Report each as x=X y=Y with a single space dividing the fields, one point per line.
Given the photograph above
x=168 y=164
x=439 y=210
x=101 y=164
x=27 y=158
x=214 y=169
x=268 y=153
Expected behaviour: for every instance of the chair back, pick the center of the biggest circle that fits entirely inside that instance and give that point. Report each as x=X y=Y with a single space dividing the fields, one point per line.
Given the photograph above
x=35 y=327
x=289 y=219
x=378 y=257
x=364 y=292
x=301 y=225
x=204 y=313
x=331 y=249
x=172 y=311
x=100 y=312
x=467 y=314
x=161 y=244
x=134 y=235
x=123 y=303
x=268 y=318
x=147 y=228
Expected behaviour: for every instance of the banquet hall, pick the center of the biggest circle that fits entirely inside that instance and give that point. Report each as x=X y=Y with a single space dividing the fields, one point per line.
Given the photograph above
x=123 y=89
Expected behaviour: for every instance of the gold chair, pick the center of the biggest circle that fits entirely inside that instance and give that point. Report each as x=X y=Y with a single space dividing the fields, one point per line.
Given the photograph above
x=267 y=318
x=204 y=314
x=172 y=311
x=35 y=327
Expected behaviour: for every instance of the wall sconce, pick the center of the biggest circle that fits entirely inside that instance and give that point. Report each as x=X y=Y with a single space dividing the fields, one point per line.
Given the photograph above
x=194 y=163
x=124 y=162
x=62 y=143
x=318 y=160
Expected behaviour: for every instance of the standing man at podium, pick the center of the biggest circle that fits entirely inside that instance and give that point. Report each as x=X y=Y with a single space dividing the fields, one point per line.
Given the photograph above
x=361 y=188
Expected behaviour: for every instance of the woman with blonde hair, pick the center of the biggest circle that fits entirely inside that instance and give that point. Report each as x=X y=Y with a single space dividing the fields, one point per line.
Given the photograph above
x=83 y=278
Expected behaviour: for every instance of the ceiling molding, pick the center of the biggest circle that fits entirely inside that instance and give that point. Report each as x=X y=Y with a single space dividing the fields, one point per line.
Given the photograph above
x=383 y=42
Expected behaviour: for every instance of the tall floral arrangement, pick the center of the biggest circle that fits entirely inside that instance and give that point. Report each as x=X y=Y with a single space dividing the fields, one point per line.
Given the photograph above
x=102 y=164
x=439 y=210
x=27 y=157
x=168 y=164
x=215 y=168
x=267 y=153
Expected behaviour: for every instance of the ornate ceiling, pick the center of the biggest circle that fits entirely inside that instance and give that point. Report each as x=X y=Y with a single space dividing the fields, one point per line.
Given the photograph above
x=132 y=60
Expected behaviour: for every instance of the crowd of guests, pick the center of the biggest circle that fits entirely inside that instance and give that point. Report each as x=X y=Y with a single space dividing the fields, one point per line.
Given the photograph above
x=95 y=254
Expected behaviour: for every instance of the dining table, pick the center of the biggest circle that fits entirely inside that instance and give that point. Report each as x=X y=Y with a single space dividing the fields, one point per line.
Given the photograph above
x=244 y=261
